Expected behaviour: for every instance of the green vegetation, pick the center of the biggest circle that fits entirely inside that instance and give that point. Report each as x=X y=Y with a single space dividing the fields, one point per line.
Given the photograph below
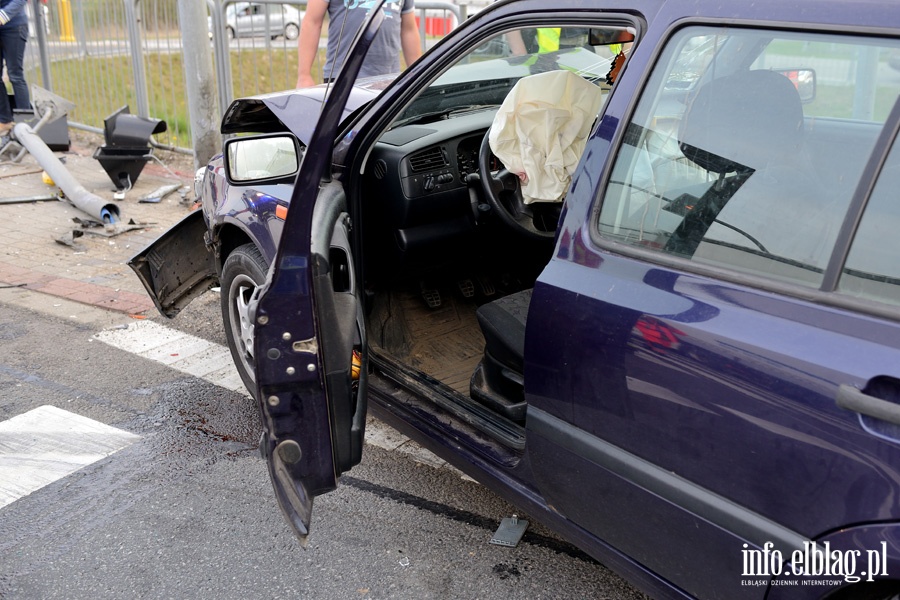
x=837 y=102
x=100 y=85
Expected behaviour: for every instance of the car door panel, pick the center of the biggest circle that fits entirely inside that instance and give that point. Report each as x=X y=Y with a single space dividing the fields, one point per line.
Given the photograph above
x=728 y=389
x=308 y=321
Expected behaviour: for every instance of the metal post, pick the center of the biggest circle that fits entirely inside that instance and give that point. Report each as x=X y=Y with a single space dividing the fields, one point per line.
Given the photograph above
x=40 y=29
x=864 y=84
x=82 y=31
x=422 y=20
x=200 y=83
x=222 y=53
x=137 y=59
x=66 y=31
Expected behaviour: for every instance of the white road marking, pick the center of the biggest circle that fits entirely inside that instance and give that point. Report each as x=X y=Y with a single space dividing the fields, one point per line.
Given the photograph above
x=213 y=363
x=181 y=351
x=46 y=444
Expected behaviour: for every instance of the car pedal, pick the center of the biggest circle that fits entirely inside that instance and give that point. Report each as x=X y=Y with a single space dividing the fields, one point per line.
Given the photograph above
x=431 y=296
x=466 y=288
x=487 y=288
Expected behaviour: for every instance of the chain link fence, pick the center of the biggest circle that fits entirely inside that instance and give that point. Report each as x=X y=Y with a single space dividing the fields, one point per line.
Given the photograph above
x=105 y=54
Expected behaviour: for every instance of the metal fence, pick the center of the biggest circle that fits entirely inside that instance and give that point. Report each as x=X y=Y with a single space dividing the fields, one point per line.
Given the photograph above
x=105 y=54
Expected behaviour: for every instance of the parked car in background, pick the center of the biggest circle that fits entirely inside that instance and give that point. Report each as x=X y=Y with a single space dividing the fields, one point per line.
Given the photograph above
x=688 y=363
x=253 y=19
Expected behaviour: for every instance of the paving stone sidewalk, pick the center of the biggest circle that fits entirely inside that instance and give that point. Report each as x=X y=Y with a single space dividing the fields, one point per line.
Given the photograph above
x=92 y=269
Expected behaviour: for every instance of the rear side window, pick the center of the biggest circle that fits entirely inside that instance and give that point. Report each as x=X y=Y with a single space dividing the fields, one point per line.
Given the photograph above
x=746 y=147
x=872 y=270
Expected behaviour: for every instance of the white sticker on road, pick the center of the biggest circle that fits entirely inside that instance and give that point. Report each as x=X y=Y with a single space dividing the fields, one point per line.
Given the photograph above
x=46 y=444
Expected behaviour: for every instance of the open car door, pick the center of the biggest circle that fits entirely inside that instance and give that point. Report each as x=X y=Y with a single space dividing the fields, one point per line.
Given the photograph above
x=310 y=347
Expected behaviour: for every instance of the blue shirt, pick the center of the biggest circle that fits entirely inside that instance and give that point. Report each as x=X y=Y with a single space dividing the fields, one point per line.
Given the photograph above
x=15 y=10
x=384 y=55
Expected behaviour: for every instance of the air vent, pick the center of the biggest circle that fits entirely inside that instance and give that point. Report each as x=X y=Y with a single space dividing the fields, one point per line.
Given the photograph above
x=380 y=169
x=429 y=160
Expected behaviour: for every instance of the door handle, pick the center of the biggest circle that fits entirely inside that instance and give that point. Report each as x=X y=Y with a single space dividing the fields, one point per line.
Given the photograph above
x=852 y=399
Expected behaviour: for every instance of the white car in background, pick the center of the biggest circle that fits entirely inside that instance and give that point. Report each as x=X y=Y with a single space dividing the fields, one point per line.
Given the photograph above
x=250 y=19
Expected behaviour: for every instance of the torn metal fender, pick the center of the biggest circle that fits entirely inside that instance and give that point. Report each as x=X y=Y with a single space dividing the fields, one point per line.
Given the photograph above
x=177 y=267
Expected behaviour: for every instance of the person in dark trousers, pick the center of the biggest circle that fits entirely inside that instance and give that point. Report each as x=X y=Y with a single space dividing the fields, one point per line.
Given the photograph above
x=13 y=35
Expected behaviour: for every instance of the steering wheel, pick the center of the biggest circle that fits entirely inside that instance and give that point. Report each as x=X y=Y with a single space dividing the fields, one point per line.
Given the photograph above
x=504 y=194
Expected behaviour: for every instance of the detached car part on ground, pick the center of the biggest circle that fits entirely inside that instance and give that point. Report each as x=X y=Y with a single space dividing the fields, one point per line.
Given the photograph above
x=688 y=368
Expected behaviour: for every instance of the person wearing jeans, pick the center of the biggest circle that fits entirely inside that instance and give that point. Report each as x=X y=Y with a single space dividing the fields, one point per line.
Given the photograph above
x=13 y=35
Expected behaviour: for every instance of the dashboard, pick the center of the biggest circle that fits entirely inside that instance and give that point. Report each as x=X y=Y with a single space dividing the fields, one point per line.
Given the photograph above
x=416 y=179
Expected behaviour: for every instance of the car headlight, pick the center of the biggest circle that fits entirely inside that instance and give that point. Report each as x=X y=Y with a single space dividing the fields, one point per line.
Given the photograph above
x=198 y=182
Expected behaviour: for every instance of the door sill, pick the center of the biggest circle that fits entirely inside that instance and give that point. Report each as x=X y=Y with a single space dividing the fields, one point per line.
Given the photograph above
x=470 y=412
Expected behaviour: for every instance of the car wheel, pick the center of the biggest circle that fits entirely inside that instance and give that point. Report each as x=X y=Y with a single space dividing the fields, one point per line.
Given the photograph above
x=244 y=270
x=291 y=31
x=229 y=33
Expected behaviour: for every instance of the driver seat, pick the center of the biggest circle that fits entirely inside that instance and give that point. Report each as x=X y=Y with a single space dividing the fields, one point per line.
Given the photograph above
x=498 y=382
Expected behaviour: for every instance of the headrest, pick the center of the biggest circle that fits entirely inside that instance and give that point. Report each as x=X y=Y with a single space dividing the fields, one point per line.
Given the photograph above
x=742 y=121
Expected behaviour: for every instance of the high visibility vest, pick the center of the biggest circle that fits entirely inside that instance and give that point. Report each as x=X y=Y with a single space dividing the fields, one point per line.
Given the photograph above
x=548 y=39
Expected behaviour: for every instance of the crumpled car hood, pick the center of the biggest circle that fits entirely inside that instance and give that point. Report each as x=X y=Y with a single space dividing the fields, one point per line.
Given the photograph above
x=291 y=110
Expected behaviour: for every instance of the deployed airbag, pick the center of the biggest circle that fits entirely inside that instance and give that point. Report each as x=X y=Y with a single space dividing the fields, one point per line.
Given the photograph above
x=541 y=128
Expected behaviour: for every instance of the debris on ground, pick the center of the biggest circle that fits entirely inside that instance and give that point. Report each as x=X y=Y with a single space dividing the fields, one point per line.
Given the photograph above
x=159 y=193
x=87 y=223
x=108 y=229
x=24 y=199
x=510 y=532
x=68 y=239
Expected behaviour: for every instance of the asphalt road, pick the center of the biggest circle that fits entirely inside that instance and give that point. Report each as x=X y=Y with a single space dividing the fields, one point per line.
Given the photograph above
x=187 y=510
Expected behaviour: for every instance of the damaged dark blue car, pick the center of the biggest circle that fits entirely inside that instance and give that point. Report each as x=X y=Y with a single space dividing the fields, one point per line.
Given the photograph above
x=655 y=305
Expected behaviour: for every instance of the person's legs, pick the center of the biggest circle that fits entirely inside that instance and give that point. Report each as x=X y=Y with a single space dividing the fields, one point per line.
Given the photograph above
x=6 y=115
x=14 y=54
x=7 y=38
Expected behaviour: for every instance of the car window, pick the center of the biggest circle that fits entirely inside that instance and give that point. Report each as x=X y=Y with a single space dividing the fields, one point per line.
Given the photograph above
x=872 y=270
x=746 y=147
x=484 y=76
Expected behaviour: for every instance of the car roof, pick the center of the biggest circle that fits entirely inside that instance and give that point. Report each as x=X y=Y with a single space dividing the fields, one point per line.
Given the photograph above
x=863 y=13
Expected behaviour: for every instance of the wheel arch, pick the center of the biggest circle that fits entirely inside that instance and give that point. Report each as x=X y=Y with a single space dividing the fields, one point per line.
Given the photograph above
x=883 y=538
x=229 y=236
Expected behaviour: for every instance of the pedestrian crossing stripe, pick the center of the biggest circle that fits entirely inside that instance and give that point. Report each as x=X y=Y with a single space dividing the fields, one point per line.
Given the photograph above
x=181 y=351
x=48 y=443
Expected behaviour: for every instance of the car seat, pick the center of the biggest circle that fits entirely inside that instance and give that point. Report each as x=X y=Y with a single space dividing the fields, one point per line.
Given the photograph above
x=498 y=381
x=748 y=125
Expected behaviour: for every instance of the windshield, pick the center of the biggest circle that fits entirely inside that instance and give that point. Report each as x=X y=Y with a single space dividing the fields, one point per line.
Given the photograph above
x=485 y=75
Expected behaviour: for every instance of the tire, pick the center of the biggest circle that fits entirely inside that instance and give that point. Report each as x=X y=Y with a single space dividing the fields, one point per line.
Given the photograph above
x=291 y=31
x=229 y=33
x=244 y=270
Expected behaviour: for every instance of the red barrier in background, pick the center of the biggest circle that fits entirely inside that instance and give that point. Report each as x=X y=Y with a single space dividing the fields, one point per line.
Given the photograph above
x=437 y=26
